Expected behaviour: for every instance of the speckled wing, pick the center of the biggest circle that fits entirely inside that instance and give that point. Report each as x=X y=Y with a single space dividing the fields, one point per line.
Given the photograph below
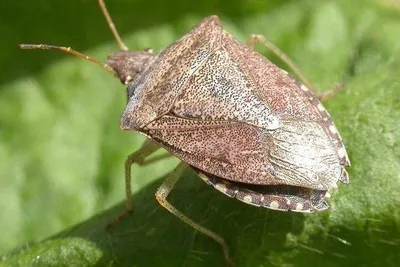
x=285 y=134
x=154 y=92
x=289 y=100
x=239 y=117
x=244 y=153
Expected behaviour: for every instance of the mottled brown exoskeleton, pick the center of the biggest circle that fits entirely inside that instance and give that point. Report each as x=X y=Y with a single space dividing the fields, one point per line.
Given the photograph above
x=243 y=124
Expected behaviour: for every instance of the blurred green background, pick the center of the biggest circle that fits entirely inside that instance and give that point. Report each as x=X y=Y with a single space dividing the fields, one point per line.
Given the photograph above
x=62 y=152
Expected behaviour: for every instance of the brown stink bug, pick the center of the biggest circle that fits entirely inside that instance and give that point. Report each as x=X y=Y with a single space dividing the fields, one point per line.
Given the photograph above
x=243 y=124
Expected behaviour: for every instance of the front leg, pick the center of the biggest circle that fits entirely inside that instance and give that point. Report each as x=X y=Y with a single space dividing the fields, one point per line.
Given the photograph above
x=138 y=157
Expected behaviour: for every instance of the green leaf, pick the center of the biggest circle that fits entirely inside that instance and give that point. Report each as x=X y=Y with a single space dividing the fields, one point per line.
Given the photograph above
x=62 y=152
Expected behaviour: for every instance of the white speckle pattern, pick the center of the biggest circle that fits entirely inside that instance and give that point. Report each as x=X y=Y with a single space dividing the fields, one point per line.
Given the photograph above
x=342 y=152
x=320 y=107
x=299 y=206
x=128 y=79
x=221 y=187
x=248 y=199
x=274 y=205
x=304 y=88
x=333 y=129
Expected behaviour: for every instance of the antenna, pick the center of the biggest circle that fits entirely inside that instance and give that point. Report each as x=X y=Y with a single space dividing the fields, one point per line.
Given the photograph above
x=69 y=50
x=114 y=31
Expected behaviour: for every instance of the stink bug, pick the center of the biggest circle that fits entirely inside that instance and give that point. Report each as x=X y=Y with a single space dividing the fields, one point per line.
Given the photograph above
x=244 y=125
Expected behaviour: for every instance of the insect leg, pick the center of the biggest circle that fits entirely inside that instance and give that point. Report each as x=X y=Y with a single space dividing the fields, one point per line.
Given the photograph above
x=137 y=157
x=331 y=92
x=256 y=38
x=155 y=159
x=161 y=196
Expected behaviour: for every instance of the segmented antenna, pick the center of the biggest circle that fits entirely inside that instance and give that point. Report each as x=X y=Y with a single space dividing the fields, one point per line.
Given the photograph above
x=67 y=50
x=112 y=26
x=70 y=51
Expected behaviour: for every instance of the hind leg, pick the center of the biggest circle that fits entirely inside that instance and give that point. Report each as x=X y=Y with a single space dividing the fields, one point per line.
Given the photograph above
x=256 y=38
x=161 y=196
